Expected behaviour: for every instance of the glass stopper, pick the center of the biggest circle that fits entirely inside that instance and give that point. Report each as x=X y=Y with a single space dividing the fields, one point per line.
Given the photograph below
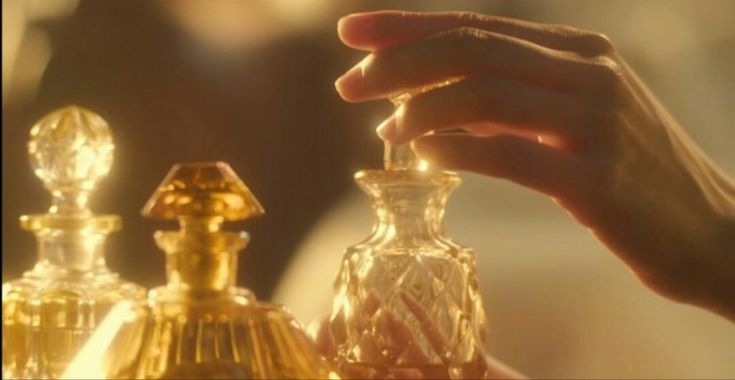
x=403 y=157
x=70 y=150
x=205 y=191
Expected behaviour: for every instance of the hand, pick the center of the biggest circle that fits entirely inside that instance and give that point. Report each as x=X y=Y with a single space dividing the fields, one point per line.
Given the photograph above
x=556 y=109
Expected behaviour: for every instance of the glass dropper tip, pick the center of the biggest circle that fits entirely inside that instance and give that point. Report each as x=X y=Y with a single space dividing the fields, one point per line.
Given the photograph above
x=401 y=157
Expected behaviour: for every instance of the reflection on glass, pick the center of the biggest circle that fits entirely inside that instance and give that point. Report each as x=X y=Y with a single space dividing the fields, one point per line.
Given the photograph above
x=407 y=301
x=51 y=311
x=200 y=325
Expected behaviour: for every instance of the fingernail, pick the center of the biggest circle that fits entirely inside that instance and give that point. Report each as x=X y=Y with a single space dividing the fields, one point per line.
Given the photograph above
x=350 y=84
x=354 y=29
x=347 y=83
x=387 y=129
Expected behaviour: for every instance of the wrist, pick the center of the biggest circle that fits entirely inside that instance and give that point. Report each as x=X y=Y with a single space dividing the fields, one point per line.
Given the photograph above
x=718 y=277
x=722 y=300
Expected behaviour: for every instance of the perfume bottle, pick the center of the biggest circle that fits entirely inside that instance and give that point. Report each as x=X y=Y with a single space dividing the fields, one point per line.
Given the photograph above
x=200 y=325
x=407 y=302
x=50 y=312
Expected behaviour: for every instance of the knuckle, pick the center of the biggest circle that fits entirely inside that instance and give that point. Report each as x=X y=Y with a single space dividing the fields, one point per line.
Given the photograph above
x=457 y=36
x=468 y=17
x=587 y=43
x=463 y=41
x=594 y=43
x=463 y=33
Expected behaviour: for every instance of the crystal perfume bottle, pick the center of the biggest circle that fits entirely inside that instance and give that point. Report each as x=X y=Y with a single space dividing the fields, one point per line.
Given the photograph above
x=50 y=312
x=407 y=300
x=200 y=325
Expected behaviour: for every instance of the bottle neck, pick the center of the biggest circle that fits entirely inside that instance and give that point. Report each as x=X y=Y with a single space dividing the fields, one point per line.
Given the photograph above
x=198 y=261
x=69 y=203
x=409 y=205
x=71 y=251
x=401 y=215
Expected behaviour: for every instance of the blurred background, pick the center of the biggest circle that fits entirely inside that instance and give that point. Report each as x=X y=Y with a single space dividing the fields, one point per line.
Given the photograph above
x=251 y=83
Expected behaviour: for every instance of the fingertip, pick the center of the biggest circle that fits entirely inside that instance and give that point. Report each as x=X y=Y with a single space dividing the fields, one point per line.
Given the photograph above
x=350 y=86
x=387 y=129
x=355 y=30
x=345 y=87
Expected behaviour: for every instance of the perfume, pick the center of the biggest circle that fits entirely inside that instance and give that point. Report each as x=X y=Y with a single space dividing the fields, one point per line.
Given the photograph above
x=407 y=302
x=51 y=311
x=200 y=325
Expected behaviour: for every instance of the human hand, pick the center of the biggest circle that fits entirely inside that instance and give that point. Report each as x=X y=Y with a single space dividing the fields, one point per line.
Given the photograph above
x=556 y=109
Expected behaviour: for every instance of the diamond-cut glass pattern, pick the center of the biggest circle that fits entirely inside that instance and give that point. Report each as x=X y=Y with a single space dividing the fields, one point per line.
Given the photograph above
x=51 y=311
x=407 y=299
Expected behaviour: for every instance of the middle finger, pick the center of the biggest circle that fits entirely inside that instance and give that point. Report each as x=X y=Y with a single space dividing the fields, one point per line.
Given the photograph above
x=503 y=104
x=464 y=52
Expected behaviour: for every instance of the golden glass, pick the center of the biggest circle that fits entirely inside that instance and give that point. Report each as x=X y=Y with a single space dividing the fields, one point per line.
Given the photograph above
x=200 y=325
x=51 y=311
x=407 y=301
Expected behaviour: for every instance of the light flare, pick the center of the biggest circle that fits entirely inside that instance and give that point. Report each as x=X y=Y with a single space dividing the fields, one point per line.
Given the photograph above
x=89 y=363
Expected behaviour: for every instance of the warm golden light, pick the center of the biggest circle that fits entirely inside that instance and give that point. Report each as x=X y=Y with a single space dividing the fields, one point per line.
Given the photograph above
x=200 y=324
x=89 y=362
x=59 y=301
x=422 y=165
x=406 y=298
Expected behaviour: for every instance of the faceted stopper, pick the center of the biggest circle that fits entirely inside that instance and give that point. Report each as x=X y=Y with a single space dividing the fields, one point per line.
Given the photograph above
x=204 y=190
x=71 y=149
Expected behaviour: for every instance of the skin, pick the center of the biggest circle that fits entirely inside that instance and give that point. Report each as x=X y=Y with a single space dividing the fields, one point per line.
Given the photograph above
x=558 y=110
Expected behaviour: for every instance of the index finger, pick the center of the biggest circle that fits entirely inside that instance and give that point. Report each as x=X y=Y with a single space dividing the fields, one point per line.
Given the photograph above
x=377 y=30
